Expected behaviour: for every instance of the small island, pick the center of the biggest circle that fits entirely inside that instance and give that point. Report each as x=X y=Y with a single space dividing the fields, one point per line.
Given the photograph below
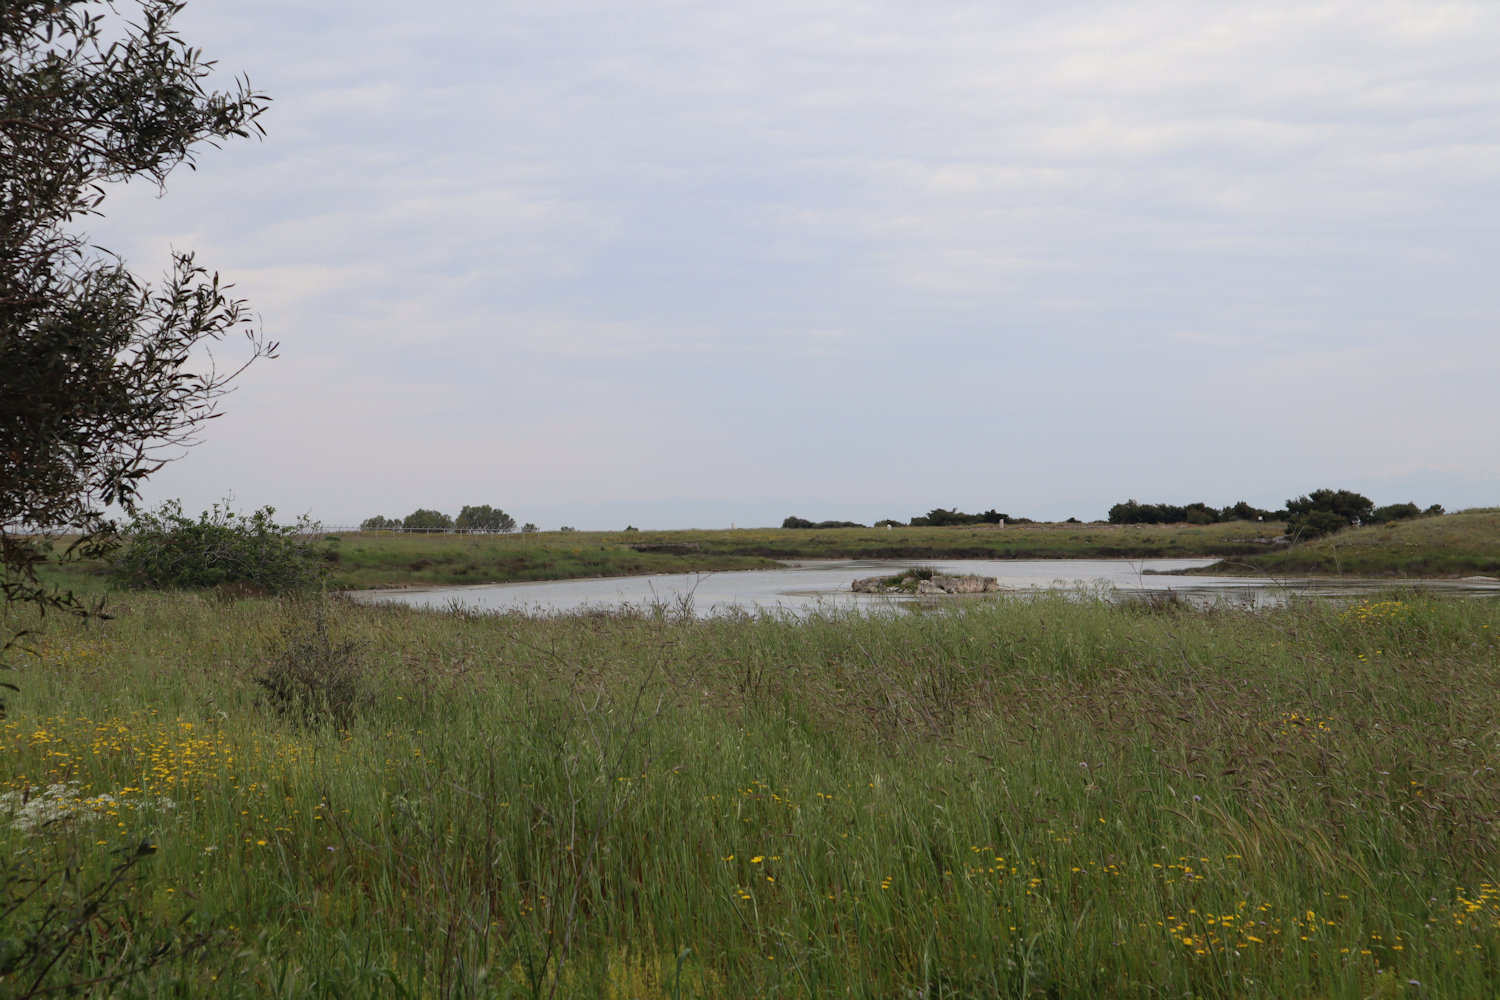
x=921 y=580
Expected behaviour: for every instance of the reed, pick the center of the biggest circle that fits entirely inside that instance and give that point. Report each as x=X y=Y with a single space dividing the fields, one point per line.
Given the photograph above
x=1052 y=797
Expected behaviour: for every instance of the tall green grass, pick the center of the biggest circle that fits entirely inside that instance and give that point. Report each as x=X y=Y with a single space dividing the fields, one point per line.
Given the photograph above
x=1454 y=545
x=1052 y=798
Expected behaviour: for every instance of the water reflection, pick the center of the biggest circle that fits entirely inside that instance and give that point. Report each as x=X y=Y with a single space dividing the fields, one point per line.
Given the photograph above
x=801 y=587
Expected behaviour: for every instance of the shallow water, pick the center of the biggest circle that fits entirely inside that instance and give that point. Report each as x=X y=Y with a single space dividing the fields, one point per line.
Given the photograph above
x=811 y=585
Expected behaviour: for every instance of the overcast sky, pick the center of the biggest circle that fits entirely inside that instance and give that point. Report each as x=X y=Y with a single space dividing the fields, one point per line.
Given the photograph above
x=679 y=264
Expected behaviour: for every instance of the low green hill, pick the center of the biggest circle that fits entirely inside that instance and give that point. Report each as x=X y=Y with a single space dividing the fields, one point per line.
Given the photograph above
x=1453 y=545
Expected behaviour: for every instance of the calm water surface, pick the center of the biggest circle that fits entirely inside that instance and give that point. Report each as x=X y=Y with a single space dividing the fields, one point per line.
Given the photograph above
x=808 y=586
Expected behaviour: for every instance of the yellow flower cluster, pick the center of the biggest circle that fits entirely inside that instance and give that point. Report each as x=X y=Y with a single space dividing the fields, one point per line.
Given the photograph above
x=1244 y=928
x=1309 y=727
x=65 y=651
x=1477 y=910
x=1368 y=612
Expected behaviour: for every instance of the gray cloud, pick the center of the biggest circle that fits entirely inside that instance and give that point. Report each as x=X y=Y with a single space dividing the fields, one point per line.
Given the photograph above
x=990 y=254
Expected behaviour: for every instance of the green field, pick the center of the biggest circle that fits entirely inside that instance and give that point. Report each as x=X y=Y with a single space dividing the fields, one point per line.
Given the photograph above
x=366 y=559
x=1454 y=545
x=1049 y=798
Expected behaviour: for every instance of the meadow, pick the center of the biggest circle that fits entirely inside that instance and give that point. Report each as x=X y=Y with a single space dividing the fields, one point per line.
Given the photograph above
x=1039 y=798
x=1454 y=545
x=378 y=559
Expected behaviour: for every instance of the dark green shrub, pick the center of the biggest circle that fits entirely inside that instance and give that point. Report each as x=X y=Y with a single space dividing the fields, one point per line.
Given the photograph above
x=1317 y=524
x=942 y=518
x=485 y=518
x=166 y=551
x=1322 y=512
x=1395 y=512
x=314 y=680
x=423 y=519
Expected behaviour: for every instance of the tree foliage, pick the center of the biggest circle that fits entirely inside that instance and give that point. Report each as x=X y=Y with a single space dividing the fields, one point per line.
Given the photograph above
x=423 y=519
x=940 y=518
x=165 y=550
x=1133 y=512
x=1322 y=512
x=802 y=522
x=102 y=376
x=485 y=518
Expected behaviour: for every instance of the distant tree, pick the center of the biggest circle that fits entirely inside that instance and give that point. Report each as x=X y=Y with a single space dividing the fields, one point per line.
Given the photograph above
x=1133 y=512
x=426 y=520
x=567 y=527
x=1394 y=512
x=631 y=527
x=1434 y=511
x=1322 y=512
x=485 y=518
x=529 y=529
x=379 y=523
x=1242 y=511
x=939 y=517
x=890 y=523
x=1200 y=513
x=802 y=522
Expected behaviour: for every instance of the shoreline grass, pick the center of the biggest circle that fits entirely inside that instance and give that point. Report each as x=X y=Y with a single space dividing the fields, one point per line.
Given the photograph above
x=1451 y=546
x=1023 y=798
x=372 y=560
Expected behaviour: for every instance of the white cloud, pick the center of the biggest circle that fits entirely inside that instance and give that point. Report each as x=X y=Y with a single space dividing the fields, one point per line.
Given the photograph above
x=828 y=249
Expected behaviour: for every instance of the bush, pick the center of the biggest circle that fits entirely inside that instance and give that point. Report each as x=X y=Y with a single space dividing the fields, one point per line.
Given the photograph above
x=379 y=523
x=485 y=518
x=423 y=519
x=1242 y=511
x=941 y=518
x=166 y=551
x=1395 y=512
x=1132 y=512
x=313 y=680
x=802 y=522
x=1322 y=512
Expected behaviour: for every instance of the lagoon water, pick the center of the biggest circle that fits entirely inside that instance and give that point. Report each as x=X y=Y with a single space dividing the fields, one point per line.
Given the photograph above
x=800 y=587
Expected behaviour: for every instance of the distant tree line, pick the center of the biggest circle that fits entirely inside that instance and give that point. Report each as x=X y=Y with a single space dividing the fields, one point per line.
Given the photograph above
x=802 y=522
x=938 y=517
x=1320 y=512
x=480 y=518
x=1132 y=512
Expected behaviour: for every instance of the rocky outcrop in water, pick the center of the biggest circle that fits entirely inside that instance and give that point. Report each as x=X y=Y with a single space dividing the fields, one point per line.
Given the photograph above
x=935 y=584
